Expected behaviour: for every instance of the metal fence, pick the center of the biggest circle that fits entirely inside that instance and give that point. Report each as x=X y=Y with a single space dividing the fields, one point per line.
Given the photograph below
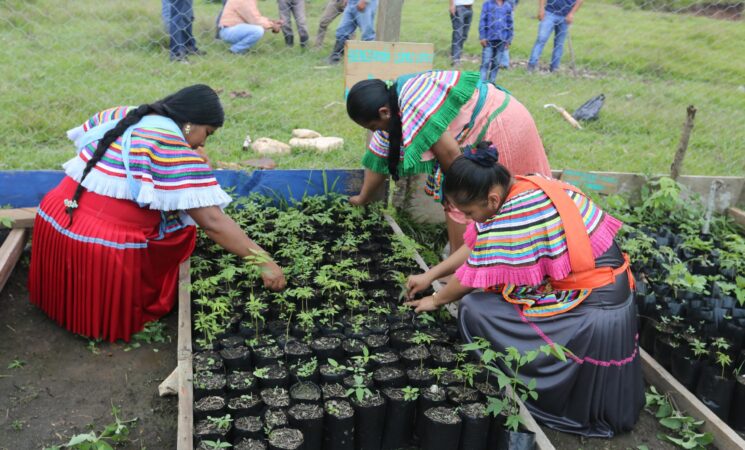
x=62 y=61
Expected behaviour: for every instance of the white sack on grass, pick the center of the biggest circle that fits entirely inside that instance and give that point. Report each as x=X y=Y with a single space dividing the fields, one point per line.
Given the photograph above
x=267 y=146
x=303 y=133
x=320 y=144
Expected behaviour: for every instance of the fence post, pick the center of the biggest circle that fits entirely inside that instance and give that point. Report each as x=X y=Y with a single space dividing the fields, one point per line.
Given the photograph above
x=388 y=28
x=680 y=154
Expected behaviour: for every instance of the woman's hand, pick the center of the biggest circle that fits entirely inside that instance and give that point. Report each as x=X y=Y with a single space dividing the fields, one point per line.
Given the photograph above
x=424 y=304
x=273 y=277
x=358 y=200
x=484 y=42
x=416 y=283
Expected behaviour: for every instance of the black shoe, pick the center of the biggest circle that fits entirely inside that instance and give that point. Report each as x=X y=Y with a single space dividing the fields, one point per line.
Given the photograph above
x=179 y=57
x=337 y=52
x=289 y=41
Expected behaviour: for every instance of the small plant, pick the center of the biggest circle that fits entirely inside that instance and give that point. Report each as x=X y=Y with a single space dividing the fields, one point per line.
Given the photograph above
x=363 y=359
x=426 y=318
x=114 y=433
x=698 y=347
x=684 y=426
x=724 y=360
x=306 y=369
x=217 y=444
x=16 y=364
x=487 y=354
x=466 y=372
x=262 y=372
x=222 y=423
x=420 y=338
x=17 y=425
x=255 y=308
x=359 y=389
x=410 y=393
x=438 y=372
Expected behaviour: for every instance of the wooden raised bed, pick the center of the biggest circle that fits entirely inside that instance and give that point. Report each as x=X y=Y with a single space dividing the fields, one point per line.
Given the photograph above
x=12 y=247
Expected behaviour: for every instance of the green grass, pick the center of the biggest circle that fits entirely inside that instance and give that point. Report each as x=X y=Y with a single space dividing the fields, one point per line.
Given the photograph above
x=63 y=61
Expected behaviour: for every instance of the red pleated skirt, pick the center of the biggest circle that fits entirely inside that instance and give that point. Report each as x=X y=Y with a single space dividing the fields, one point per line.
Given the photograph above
x=108 y=273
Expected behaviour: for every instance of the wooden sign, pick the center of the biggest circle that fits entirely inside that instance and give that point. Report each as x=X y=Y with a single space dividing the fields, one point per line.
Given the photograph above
x=603 y=184
x=385 y=60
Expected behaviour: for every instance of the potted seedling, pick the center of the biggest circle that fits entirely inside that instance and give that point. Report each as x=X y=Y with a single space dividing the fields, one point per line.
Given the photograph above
x=308 y=418
x=399 y=419
x=338 y=426
x=369 y=408
x=686 y=366
x=306 y=370
x=245 y=405
x=213 y=428
x=441 y=429
x=419 y=352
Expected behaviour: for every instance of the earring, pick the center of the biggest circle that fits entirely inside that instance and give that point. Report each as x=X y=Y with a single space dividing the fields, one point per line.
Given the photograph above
x=187 y=129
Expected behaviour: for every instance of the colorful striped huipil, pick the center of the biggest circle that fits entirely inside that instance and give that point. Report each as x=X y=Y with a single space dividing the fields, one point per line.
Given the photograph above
x=115 y=267
x=434 y=102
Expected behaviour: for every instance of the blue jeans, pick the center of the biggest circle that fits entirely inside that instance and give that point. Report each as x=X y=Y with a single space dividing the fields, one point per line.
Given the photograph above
x=504 y=58
x=352 y=18
x=550 y=23
x=490 y=60
x=243 y=36
x=461 y=21
x=180 y=20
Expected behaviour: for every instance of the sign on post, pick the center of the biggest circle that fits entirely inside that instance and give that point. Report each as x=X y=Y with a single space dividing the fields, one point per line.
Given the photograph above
x=385 y=60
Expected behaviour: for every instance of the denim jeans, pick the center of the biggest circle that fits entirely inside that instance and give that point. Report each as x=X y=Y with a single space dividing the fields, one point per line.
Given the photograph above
x=490 y=60
x=352 y=18
x=550 y=23
x=243 y=36
x=461 y=21
x=180 y=19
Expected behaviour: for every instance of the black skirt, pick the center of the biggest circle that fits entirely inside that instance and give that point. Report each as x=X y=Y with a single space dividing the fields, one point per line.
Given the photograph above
x=597 y=392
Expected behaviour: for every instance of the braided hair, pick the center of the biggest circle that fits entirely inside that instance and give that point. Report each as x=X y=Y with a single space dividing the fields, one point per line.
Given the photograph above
x=363 y=104
x=198 y=104
x=472 y=175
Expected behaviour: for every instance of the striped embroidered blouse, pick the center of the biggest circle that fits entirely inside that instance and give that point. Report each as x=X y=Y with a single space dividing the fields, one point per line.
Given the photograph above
x=521 y=248
x=525 y=242
x=172 y=177
x=428 y=102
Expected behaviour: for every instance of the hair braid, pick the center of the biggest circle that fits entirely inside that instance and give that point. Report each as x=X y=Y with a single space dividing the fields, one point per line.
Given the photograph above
x=395 y=132
x=104 y=143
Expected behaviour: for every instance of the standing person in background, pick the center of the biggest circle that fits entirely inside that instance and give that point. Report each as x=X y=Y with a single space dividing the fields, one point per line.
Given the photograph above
x=294 y=8
x=504 y=57
x=495 y=34
x=461 y=13
x=358 y=13
x=180 y=19
x=556 y=16
x=333 y=9
x=242 y=25
x=165 y=13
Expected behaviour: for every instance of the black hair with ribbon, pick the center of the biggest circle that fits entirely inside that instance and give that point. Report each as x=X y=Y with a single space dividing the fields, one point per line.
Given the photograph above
x=471 y=177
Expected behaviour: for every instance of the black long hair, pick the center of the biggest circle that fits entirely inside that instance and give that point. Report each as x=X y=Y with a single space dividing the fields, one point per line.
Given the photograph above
x=197 y=104
x=363 y=102
x=472 y=175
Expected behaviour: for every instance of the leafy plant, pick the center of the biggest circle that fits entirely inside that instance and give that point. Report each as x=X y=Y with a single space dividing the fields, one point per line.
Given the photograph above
x=222 y=423
x=685 y=427
x=16 y=364
x=359 y=389
x=216 y=444
x=307 y=368
x=698 y=348
x=410 y=393
x=262 y=372
x=112 y=434
x=438 y=372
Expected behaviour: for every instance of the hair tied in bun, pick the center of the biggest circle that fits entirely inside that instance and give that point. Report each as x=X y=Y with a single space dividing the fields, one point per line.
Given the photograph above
x=484 y=154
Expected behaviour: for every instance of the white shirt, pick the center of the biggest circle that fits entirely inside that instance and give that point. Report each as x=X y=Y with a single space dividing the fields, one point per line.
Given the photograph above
x=463 y=2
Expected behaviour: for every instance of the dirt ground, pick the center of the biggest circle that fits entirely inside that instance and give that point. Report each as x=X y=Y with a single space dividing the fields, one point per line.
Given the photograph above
x=644 y=433
x=63 y=387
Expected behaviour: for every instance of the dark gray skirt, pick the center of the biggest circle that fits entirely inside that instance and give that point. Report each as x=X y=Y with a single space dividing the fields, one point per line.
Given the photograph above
x=597 y=393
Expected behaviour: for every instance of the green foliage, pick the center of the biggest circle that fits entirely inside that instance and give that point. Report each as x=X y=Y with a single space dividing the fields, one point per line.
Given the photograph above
x=359 y=389
x=16 y=364
x=113 y=434
x=410 y=393
x=684 y=427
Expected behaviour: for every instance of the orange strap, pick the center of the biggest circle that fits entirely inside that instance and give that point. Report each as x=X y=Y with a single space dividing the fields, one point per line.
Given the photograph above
x=578 y=241
x=595 y=278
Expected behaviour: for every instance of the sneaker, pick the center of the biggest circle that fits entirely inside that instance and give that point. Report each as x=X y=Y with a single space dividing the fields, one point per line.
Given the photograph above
x=179 y=57
x=531 y=68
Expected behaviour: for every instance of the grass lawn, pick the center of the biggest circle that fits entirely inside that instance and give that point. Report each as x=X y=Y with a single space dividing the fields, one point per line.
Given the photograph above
x=63 y=61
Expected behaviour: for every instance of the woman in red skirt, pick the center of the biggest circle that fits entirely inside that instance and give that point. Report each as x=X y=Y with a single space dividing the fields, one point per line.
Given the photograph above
x=108 y=240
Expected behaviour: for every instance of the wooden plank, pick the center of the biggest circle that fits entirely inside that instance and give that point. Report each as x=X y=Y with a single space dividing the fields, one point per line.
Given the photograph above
x=738 y=215
x=183 y=356
x=10 y=253
x=541 y=440
x=725 y=438
x=389 y=20
x=21 y=217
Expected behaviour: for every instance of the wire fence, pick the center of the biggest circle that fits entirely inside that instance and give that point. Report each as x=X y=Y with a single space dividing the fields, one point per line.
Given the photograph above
x=63 y=61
